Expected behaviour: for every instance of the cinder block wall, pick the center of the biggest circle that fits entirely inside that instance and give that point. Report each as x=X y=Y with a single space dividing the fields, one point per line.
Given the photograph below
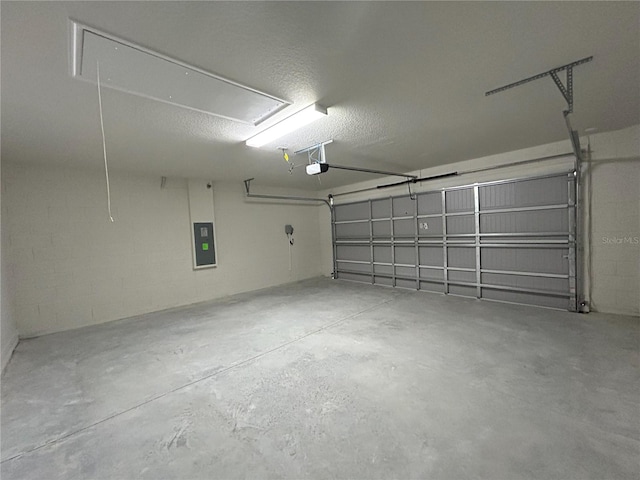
x=8 y=330
x=615 y=222
x=68 y=266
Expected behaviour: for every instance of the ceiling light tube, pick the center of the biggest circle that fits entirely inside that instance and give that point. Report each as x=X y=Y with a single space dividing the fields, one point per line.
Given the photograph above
x=289 y=124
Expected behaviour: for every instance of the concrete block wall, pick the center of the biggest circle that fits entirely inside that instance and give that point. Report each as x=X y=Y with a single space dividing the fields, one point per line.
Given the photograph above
x=615 y=221
x=69 y=266
x=8 y=330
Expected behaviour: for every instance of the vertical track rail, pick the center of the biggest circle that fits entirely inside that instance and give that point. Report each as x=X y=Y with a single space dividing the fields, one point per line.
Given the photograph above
x=572 y=258
x=476 y=216
x=445 y=254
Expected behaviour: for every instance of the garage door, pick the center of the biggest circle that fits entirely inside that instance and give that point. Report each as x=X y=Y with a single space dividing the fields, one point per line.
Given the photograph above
x=511 y=241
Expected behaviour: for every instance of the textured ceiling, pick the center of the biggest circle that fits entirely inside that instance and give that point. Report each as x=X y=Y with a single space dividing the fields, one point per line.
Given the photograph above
x=404 y=82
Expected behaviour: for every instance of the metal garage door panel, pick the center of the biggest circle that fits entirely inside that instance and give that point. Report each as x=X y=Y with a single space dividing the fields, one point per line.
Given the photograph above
x=403 y=206
x=556 y=285
x=461 y=224
x=381 y=208
x=404 y=228
x=405 y=283
x=429 y=227
x=556 y=220
x=382 y=254
x=523 y=252
x=381 y=229
x=353 y=252
x=351 y=211
x=409 y=272
x=522 y=237
x=354 y=267
x=524 y=193
x=462 y=290
x=352 y=230
x=431 y=256
x=379 y=280
x=526 y=298
x=432 y=287
x=461 y=276
x=462 y=257
x=406 y=255
x=432 y=274
x=383 y=269
x=542 y=260
x=459 y=200
x=429 y=203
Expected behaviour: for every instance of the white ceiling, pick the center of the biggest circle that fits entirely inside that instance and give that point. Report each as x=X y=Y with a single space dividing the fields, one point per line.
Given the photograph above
x=404 y=82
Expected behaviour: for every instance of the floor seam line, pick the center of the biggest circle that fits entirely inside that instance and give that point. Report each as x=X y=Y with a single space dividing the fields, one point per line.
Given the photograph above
x=207 y=377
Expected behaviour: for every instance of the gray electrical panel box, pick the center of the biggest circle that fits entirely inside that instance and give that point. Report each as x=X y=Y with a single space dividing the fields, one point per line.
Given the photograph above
x=204 y=246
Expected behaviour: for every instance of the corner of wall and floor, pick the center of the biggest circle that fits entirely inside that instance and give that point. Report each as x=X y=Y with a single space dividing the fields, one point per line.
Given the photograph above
x=8 y=330
x=72 y=267
x=612 y=222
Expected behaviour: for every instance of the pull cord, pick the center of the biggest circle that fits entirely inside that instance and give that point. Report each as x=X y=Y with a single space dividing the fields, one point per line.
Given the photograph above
x=104 y=143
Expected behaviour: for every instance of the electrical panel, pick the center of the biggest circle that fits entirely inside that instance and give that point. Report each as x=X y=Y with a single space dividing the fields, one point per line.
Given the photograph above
x=204 y=246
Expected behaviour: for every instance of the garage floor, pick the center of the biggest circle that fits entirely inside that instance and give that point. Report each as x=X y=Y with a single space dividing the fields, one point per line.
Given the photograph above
x=329 y=379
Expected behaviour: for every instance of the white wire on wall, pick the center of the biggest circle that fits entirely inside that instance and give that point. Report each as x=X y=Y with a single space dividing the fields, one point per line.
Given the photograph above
x=104 y=143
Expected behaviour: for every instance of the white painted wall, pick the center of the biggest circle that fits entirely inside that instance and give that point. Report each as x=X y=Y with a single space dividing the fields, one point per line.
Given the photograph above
x=614 y=280
x=615 y=221
x=72 y=267
x=8 y=330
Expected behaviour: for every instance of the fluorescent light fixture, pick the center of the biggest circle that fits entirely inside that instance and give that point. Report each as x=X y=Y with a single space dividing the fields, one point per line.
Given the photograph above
x=289 y=124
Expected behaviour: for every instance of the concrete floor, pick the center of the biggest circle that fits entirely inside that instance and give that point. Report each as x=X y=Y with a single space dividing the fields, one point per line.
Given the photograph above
x=329 y=379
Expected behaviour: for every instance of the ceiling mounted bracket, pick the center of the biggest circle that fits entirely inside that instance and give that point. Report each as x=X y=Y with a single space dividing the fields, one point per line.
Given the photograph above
x=316 y=153
x=565 y=90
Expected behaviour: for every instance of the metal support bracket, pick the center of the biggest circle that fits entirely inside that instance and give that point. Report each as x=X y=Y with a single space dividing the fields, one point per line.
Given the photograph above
x=247 y=187
x=565 y=90
x=316 y=153
x=575 y=238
